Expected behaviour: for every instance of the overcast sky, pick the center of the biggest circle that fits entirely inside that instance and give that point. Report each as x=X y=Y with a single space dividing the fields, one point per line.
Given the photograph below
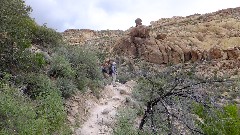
x=117 y=14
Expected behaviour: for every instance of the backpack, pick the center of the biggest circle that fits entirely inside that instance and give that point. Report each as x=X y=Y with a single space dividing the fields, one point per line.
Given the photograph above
x=113 y=69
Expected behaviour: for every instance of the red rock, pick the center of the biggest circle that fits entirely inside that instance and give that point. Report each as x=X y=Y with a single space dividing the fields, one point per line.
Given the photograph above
x=215 y=53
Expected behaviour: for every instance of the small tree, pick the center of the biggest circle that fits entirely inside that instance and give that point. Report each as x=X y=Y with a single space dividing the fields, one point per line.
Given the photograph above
x=169 y=99
x=15 y=29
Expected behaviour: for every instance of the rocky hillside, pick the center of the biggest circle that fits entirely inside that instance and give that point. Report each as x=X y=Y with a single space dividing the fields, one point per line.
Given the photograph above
x=209 y=36
x=97 y=40
x=208 y=44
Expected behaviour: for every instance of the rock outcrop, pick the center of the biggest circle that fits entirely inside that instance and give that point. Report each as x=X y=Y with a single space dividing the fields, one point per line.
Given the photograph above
x=163 y=52
x=181 y=39
x=170 y=40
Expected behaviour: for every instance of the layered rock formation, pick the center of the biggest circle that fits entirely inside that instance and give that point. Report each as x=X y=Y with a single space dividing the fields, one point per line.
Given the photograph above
x=163 y=52
x=171 y=40
x=192 y=38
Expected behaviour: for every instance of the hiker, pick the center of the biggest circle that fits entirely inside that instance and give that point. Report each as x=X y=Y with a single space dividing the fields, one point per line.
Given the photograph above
x=105 y=69
x=113 y=71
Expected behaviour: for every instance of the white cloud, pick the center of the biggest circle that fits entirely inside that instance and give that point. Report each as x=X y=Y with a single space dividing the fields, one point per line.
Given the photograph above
x=115 y=14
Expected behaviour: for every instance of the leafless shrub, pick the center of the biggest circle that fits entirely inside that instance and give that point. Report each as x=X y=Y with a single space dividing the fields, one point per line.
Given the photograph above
x=169 y=97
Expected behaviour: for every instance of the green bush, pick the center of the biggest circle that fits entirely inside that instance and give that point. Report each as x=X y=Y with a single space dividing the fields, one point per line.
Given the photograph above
x=16 y=28
x=61 y=67
x=85 y=62
x=218 y=121
x=125 y=123
x=17 y=114
x=47 y=38
x=50 y=107
x=85 y=65
x=48 y=98
x=66 y=86
x=39 y=108
x=30 y=62
x=37 y=84
x=82 y=83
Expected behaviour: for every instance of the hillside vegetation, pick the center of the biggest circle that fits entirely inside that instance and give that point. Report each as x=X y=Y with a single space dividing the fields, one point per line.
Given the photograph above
x=38 y=71
x=41 y=69
x=187 y=73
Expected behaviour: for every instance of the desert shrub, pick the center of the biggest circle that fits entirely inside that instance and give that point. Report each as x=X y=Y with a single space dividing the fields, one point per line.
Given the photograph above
x=169 y=97
x=16 y=26
x=17 y=114
x=82 y=83
x=50 y=107
x=47 y=97
x=61 y=67
x=95 y=86
x=47 y=38
x=125 y=122
x=125 y=73
x=38 y=109
x=214 y=121
x=85 y=64
x=37 y=84
x=230 y=23
x=17 y=32
x=66 y=86
x=30 y=62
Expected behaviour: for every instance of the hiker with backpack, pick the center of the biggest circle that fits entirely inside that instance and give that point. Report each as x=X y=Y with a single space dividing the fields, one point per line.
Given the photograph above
x=113 y=71
x=105 y=69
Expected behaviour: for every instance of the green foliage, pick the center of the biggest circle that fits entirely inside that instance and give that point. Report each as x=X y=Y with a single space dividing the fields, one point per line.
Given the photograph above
x=145 y=90
x=123 y=77
x=19 y=115
x=85 y=62
x=30 y=62
x=217 y=121
x=66 y=86
x=16 y=30
x=85 y=65
x=46 y=37
x=39 y=58
x=61 y=67
x=37 y=84
x=51 y=108
x=125 y=122
x=38 y=109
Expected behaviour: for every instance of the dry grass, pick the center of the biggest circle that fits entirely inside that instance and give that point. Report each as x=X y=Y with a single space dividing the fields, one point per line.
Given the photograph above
x=230 y=42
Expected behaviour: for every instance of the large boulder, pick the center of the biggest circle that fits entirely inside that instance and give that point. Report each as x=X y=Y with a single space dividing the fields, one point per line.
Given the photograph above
x=125 y=47
x=140 y=31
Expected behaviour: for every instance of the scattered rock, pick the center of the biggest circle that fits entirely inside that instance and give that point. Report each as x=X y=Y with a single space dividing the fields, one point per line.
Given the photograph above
x=123 y=92
x=106 y=111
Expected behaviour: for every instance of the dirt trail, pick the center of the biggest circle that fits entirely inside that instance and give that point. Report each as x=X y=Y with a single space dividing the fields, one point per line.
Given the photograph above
x=102 y=113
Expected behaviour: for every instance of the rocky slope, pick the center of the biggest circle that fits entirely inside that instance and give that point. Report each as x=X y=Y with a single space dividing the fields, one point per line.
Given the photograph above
x=211 y=41
x=209 y=36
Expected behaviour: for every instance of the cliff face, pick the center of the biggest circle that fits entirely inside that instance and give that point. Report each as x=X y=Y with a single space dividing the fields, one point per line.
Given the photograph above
x=197 y=37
